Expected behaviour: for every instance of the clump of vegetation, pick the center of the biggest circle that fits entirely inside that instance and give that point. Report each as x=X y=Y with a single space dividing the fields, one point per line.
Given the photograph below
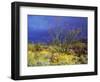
x=43 y=55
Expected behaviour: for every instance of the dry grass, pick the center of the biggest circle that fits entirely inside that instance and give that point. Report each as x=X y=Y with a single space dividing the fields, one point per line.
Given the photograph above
x=45 y=55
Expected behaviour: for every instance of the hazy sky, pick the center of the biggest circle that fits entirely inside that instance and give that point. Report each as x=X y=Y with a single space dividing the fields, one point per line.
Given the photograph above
x=38 y=25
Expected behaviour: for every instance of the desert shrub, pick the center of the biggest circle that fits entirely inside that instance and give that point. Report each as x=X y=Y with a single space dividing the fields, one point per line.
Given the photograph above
x=68 y=59
x=31 y=60
x=30 y=47
x=79 y=48
x=43 y=61
x=62 y=36
x=83 y=59
x=37 y=47
x=63 y=59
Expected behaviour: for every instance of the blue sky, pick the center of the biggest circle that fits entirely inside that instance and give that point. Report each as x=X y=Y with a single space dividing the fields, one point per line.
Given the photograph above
x=38 y=25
